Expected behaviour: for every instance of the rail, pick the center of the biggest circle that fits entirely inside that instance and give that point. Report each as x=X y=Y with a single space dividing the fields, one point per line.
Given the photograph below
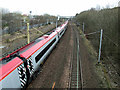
x=76 y=80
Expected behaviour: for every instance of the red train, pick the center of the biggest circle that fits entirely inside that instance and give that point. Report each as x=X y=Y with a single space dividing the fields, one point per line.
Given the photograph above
x=18 y=68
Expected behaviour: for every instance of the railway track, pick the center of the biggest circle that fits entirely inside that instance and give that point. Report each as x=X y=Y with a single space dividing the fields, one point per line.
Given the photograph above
x=76 y=70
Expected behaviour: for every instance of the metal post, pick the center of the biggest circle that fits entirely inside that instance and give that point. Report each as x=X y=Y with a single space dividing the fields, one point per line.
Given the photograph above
x=58 y=17
x=77 y=63
x=28 y=35
x=100 y=46
x=83 y=27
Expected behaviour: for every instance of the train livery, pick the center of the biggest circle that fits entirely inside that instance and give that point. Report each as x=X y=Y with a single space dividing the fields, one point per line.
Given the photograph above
x=18 y=68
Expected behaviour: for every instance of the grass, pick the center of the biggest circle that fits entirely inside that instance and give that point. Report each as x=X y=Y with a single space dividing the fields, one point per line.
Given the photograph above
x=7 y=41
x=88 y=44
x=99 y=68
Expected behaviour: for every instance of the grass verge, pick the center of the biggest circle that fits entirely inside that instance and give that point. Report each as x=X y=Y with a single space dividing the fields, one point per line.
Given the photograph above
x=99 y=68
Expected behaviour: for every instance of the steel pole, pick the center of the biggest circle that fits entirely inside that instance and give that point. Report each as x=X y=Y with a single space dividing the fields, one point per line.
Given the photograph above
x=77 y=63
x=100 y=46
x=28 y=34
x=83 y=27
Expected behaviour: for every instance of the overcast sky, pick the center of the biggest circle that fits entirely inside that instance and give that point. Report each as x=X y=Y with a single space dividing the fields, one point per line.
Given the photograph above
x=54 y=7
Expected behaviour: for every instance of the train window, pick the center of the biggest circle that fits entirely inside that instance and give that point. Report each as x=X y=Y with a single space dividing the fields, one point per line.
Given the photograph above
x=37 y=58
x=48 y=33
x=61 y=32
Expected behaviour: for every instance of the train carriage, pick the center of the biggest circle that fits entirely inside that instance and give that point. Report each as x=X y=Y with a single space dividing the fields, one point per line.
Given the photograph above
x=18 y=68
x=39 y=52
x=61 y=29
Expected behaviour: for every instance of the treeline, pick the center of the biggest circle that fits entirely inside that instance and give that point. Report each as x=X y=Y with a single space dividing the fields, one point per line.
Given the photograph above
x=12 y=22
x=106 y=19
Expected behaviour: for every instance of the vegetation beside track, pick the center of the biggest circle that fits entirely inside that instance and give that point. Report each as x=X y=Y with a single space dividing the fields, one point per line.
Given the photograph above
x=100 y=69
x=108 y=20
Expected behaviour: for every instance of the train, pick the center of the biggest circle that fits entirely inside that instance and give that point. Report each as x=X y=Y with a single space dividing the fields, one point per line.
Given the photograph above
x=19 y=68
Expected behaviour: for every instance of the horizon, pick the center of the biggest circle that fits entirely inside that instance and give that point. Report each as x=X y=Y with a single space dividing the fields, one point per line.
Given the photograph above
x=62 y=8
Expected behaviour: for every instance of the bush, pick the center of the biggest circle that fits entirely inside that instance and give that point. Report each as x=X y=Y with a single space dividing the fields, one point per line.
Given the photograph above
x=7 y=41
x=106 y=19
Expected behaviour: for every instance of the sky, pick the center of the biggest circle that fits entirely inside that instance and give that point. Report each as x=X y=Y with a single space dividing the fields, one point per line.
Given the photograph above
x=55 y=7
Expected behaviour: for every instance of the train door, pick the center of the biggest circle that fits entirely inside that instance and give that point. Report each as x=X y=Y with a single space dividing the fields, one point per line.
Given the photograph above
x=30 y=66
x=22 y=75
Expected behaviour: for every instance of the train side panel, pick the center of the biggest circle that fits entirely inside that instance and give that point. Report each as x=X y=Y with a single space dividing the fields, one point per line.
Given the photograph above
x=12 y=80
x=13 y=74
x=39 y=56
x=62 y=32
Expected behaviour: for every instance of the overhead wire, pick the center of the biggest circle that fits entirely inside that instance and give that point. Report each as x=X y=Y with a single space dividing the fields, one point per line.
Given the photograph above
x=111 y=40
x=103 y=35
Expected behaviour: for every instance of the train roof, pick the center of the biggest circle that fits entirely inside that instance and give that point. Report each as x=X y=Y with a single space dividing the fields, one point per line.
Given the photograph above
x=26 y=47
x=61 y=27
x=58 y=29
x=27 y=53
x=31 y=44
x=6 y=69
